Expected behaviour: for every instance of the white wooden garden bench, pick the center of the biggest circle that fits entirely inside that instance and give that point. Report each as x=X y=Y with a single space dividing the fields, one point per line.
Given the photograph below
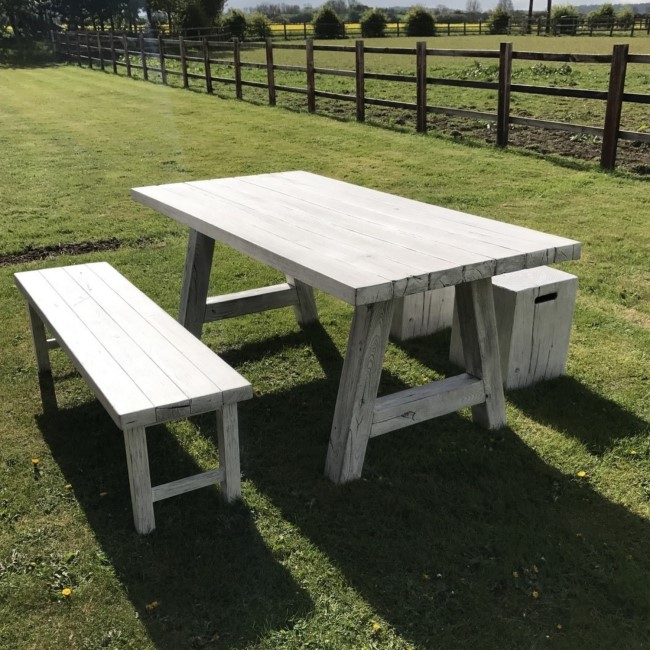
x=143 y=366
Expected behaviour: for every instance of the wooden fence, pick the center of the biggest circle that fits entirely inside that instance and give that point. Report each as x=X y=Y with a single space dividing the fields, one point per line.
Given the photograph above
x=109 y=51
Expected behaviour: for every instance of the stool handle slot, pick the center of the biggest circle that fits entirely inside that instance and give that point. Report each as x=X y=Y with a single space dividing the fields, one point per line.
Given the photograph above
x=546 y=298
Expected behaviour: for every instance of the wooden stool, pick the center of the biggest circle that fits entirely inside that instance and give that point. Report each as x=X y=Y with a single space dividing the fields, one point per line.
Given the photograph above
x=534 y=311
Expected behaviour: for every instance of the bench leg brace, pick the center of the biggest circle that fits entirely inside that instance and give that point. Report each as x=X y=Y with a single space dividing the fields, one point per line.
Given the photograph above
x=135 y=442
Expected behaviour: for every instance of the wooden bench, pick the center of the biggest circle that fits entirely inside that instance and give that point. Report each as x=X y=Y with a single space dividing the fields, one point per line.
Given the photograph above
x=142 y=365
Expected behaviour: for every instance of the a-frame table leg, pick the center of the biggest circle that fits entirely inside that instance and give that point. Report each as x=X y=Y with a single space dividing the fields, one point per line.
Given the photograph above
x=478 y=330
x=196 y=278
x=358 y=391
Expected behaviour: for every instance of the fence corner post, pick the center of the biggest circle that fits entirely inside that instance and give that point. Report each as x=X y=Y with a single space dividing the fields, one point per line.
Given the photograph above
x=359 y=69
x=236 y=54
x=270 y=71
x=311 y=81
x=503 y=109
x=421 y=83
x=614 y=106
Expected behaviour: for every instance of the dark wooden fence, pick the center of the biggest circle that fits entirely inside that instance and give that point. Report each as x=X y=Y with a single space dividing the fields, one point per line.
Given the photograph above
x=110 y=51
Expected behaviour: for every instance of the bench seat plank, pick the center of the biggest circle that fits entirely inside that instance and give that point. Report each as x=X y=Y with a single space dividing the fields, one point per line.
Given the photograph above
x=232 y=385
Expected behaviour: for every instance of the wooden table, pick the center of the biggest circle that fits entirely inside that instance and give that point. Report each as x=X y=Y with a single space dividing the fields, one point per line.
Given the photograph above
x=365 y=247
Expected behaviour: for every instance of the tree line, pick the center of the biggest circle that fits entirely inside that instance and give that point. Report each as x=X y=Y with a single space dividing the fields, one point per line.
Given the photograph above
x=30 y=18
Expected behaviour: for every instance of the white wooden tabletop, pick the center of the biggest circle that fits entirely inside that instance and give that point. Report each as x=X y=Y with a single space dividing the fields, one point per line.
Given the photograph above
x=358 y=244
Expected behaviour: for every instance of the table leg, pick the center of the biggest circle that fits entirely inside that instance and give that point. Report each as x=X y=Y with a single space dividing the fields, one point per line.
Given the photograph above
x=358 y=391
x=196 y=278
x=306 y=311
x=478 y=330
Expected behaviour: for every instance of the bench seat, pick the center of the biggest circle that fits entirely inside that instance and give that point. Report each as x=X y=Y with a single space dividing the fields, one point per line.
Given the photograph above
x=142 y=365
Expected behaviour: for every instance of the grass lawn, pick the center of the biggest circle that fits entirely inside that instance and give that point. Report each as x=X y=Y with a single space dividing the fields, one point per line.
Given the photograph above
x=454 y=538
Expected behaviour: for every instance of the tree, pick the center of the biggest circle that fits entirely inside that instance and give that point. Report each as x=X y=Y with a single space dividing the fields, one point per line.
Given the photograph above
x=506 y=5
x=373 y=23
x=565 y=19
x=499 y=21
x=473 y=9
x=420 y=22
x=327 y=24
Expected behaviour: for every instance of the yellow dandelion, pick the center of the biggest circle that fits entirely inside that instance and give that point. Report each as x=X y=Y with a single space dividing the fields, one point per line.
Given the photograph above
x=559 y=626
x=375 y=626
x=515 y=574
x=68 y=486
x=103 y=494
x=535 y=569
x=634 y=452
x=535 y=594
x=582 y=473
x=152 y=605
x=36 y=461
x=66 y=592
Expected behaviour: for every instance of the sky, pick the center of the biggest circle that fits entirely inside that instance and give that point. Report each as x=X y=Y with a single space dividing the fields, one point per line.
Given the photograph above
x=452 y=4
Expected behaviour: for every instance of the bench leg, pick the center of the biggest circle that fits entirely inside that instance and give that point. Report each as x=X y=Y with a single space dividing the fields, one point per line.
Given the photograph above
x=357 y=394
x=306 y=311
x=45 y=381
x=478 y=331
x=228 y=440
x=135 y=441
x=196 y=278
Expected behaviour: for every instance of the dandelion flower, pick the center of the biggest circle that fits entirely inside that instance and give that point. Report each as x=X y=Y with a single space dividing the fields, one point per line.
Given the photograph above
x=36 y=461
x=68 y=486
x=582 y=473
x=634 y=452
x=375 y=626
x=559 y=626
x=152 y=605
x=535 y=594
x=66 y=592
x=515 y=574
x=535 y=569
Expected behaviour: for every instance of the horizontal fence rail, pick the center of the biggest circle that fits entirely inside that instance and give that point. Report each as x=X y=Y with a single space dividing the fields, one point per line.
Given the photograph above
x=112 y=51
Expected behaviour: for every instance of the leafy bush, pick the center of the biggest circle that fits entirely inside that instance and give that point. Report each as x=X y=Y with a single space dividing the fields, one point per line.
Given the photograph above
x=327 y=24
x=602 y=17
x=625 y=17
x=259 y=26
x=200 y=13
x=565 y=19
x=499 y=21
x=373 y=23
x=235 y=23
x=419 y=22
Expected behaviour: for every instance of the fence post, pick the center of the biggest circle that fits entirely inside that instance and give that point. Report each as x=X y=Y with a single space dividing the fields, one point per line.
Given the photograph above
x=304 y=30
x=68 y=52
x=464 y=29
x=397 y=24
x=632 y=28
x=270 y=72
x=284 y=26
x=311 y=82
x=614 y=106
x=127 y=56
x=480 y=27
x=421 y=83
x=161 y=54
x=100 y=51
x=360 y=79
x=206 y=66
x=78 y=49
x=88 y=52
x=505 y=77
x=611 y=29
x=236 y=53
x=143 y=57
x=113 y=57
x=181 y=50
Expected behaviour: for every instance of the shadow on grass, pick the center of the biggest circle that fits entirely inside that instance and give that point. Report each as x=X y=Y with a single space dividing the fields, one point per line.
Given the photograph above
x=217 y=583
x=455 y=536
